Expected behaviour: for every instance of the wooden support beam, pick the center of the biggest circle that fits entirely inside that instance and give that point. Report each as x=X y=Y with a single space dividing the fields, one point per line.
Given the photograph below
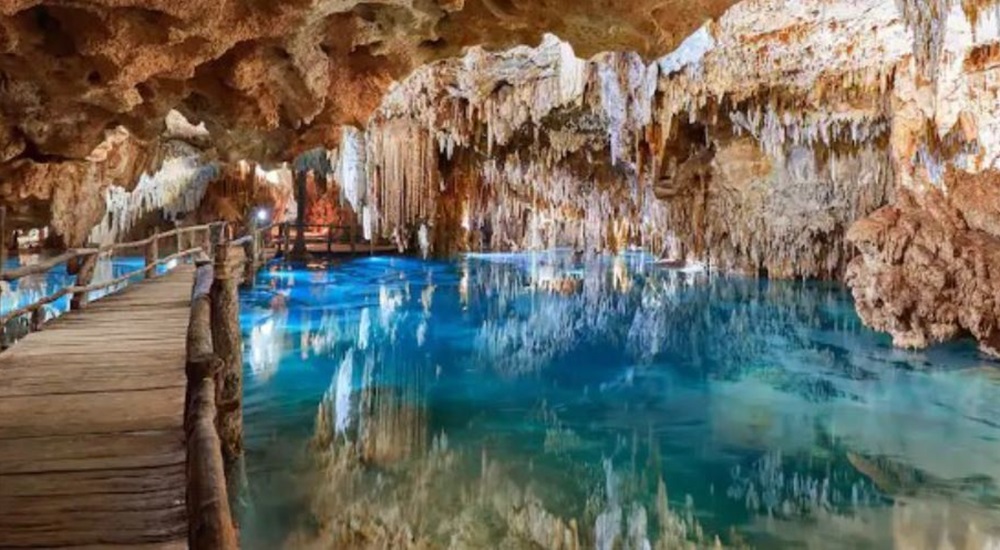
x=152 y=255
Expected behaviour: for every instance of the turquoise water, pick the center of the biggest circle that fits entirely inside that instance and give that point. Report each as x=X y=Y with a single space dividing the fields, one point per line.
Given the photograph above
x=32 y=288
x=534 y=401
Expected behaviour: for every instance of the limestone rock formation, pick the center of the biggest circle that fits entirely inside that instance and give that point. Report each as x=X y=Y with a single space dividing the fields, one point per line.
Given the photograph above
x=753 y=145
x=710 y=151
x=260 y=72
x=928 y=270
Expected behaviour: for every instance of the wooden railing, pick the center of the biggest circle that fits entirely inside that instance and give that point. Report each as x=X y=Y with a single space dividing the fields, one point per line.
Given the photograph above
x=213 y=412
x=210 y=523
x=83 y=261
x=213 y=416
x=329 y=234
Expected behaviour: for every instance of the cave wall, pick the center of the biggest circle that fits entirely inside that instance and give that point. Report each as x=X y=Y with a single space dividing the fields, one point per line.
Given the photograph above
x=270 y=79
x=710 y=154
x=837 y=139
x=831 y=139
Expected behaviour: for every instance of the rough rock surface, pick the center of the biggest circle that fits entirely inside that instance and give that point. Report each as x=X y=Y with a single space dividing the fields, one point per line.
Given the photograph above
x=929 y=265
x=258 y=73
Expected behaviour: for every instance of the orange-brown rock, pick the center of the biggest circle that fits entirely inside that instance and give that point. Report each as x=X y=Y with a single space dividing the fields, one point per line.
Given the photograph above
x=69 y=195
x=265 y=74
x=929 y=269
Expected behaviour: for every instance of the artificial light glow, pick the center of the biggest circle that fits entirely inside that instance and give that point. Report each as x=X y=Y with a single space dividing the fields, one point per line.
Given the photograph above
x=262 y=215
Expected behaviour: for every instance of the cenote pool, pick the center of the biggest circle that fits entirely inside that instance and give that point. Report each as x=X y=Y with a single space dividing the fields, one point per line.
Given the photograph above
x=533 y=401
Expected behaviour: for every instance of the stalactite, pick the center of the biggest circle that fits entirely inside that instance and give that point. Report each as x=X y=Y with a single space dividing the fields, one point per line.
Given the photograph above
x=177 y=188
x=350 y=167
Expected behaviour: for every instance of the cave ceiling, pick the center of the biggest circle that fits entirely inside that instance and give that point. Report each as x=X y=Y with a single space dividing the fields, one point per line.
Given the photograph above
x=269 y=78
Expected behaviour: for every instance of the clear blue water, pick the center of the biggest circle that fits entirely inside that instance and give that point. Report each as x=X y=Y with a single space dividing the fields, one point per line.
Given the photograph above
x=531 y=401
x=30 y=289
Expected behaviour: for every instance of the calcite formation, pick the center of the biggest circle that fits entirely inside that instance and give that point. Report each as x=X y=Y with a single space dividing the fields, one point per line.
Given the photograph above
x=836 y=139
x=710 y=153
x=926 y=272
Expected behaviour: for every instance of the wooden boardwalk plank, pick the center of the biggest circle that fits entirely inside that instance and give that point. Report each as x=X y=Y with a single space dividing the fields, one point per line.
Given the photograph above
x=91 y=437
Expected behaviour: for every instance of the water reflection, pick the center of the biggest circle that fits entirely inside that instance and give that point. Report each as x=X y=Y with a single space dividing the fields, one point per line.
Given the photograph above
x=552 y=401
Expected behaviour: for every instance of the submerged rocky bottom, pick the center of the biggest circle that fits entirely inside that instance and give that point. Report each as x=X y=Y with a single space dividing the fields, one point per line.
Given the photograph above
x=540 y=401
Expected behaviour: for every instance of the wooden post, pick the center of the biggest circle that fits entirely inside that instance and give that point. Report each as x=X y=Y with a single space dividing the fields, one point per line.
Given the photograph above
x=215 y=234
x=84 y=270
x=181 y=243
x=228 y=344
x=329 y=238
x=37 y=319
x=250 y=265
x=152 y=255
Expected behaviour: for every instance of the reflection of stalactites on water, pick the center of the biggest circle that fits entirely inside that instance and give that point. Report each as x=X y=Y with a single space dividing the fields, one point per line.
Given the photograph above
x=381 y=416
x=843 y=506
x=267 y=345
x=776 y=487
x=913 y=524
x=388 y=484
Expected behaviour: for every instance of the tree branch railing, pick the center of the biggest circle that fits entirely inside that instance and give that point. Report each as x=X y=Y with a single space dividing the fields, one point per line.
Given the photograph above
x=83 y=261
x=210 y=523
x=213 y=416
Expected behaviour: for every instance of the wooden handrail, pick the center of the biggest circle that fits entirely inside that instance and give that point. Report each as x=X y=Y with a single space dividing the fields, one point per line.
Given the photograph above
x=252 y=234
x=152 y=262
x=210 y=524
x=95 y=286
x=45 y=265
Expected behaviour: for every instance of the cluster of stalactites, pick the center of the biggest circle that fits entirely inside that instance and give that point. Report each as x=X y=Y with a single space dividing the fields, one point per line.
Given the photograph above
x=817 y=75
x=807 y=54
x=176 y=189
x=928 y=20
x=497 y=105
x=525 y=205
x=403 y=178
x=777 y=131
x=785 y=215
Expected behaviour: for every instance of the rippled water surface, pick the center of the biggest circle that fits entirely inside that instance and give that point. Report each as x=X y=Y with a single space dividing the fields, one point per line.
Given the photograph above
x=535 y=401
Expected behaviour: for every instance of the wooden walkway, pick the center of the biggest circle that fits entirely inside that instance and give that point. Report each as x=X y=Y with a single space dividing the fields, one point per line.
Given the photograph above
x=92 y=449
